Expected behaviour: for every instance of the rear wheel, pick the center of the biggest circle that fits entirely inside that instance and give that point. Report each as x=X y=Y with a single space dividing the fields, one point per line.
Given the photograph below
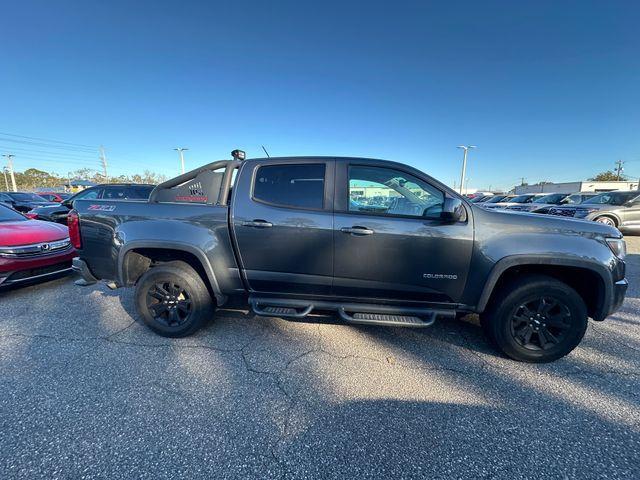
x=536 y=319
x=173 y=300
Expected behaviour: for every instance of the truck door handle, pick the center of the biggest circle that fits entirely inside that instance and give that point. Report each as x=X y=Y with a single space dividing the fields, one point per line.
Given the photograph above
x=357 y=230
x=258 y=224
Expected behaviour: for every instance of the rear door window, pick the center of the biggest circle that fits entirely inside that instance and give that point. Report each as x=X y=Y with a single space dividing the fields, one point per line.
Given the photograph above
x=295 y=186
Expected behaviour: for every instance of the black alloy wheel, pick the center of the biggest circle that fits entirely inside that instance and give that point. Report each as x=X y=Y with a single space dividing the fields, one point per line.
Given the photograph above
x=169 y=303
x=540 y=324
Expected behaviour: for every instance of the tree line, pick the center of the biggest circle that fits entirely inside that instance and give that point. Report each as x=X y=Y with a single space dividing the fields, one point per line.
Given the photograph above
x=32 y=178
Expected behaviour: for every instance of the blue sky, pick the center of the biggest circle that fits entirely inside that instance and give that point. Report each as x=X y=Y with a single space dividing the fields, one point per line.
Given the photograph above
x=547 y=90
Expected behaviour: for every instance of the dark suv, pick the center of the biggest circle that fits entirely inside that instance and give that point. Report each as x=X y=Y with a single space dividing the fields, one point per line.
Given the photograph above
x=618 y=209
x=57 y=212
x=23 y=201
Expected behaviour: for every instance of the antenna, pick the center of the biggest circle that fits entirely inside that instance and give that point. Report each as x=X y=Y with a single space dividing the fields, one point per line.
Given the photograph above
x=265 y=151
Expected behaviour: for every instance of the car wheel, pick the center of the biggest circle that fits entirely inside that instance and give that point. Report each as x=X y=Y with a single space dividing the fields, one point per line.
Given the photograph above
x=607 y=221
x=536 y=319
x=172 y=299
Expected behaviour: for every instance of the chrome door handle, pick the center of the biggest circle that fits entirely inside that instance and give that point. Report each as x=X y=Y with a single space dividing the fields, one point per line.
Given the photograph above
x=357 y=230
x=258 y=224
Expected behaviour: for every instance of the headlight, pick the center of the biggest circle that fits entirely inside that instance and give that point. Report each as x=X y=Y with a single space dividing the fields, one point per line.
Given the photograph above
x=583 y=212
x=618 y=247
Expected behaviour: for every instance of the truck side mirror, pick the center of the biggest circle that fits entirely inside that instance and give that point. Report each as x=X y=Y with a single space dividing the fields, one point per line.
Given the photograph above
x=452 y=210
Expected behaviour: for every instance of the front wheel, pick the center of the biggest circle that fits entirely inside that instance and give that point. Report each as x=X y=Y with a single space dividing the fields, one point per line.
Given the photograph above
x=607 y=221
x=173 y=300
x=536 y=319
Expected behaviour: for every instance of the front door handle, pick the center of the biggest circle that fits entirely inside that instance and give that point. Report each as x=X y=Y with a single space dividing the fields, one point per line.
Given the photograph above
x=357 y=230
x=258 y=224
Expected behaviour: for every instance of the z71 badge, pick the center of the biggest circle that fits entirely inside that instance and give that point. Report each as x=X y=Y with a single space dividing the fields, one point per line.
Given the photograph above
x=102 y=208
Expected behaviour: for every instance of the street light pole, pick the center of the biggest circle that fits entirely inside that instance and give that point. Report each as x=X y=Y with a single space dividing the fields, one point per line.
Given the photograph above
x=465 y=148
x=6 y=181
x=180 y=150
x=9 y=158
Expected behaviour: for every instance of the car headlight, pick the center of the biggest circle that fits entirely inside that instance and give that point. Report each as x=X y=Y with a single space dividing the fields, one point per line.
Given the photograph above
x=618 y=247
x=583 y=212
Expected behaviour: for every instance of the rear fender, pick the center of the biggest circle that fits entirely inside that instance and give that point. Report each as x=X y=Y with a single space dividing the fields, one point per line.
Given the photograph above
x=184 y=247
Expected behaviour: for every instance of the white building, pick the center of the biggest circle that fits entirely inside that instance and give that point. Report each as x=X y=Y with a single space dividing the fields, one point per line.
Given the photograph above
x=570 y=187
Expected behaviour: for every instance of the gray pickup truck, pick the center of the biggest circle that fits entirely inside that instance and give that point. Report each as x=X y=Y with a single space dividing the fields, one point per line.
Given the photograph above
x=376 y=242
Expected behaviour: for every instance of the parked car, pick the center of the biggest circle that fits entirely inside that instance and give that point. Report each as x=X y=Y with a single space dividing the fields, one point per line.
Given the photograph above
x=111 y=191
x=617 y=209
x=515 y=200
x=544 y=203
x=286 y=236
x=23 y=201
x=31 y=249
x=496 y=199
x=57 y=197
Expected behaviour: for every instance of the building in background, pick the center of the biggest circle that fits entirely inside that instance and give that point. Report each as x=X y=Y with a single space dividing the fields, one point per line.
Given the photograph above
x=570 y=187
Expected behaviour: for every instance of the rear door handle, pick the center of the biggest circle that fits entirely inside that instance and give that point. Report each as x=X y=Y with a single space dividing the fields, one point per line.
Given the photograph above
x=357 y=230
x=258 y=224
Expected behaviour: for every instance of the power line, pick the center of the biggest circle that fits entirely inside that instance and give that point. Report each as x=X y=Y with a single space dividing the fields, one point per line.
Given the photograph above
x=48 y=153
x=48 y=145
x=48 y=140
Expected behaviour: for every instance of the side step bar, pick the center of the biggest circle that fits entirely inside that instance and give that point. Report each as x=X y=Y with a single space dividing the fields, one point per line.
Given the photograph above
x=360 y=313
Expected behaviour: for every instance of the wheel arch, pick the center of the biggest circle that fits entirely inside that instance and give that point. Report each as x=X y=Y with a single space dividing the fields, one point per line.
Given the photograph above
x=137 y=257
x=592 y=281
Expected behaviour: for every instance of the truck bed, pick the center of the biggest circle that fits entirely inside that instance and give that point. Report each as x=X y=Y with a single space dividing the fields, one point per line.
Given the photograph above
x=106 y=226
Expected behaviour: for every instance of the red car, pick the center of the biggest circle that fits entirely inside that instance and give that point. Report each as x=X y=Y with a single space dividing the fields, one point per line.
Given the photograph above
x=31 y=249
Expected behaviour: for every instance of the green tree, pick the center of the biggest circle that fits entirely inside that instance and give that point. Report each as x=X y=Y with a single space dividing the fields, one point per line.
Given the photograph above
x=607 y=176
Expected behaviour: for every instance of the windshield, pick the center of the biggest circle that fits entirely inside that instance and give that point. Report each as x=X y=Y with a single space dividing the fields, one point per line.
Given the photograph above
x=26 y=197
x=552 y=198
x=9 y=215
x=612 y=198
x=522 y=199
x=496 y=199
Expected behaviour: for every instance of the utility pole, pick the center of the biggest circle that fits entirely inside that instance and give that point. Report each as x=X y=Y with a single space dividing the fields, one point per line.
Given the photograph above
x=9 y=158
x=6 y=181
x=619 y=169
x=464 y=163
x=180 y=150
x=103 y=160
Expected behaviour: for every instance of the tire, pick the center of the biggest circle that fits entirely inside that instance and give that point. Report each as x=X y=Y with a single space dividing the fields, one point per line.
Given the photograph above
x=172 y=299
x=527 y=316
x=607 y=221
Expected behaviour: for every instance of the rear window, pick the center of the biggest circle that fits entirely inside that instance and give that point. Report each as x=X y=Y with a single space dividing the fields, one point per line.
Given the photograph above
x=297 y=186
x=140 y=192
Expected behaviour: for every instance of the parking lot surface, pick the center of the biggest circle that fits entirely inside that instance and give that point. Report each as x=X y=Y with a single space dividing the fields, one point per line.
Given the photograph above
x=87 y=391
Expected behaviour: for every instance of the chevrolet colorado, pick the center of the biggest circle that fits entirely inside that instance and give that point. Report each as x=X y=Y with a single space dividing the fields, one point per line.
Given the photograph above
x=375 y=241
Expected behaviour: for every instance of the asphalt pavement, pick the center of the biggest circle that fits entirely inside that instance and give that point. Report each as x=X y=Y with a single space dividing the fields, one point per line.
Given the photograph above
x=86 y=391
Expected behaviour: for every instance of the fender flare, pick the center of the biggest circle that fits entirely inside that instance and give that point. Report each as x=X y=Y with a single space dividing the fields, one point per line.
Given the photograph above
x=221 y=298
x=551 y=260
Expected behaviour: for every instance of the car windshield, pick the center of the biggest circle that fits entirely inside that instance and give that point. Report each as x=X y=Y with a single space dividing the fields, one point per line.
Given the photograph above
x=9 y=215
x=26 y=197
x=522 y=199
x=496 y=199
x=612 y=198
x=478 y=199
x=554 y=198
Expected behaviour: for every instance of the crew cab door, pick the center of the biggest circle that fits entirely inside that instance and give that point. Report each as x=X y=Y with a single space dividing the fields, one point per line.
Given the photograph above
x=390 y=242
x=282 y=218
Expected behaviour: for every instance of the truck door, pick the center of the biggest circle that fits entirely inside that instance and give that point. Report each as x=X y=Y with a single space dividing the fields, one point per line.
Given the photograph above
x=282 y=217
x=390 y=242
